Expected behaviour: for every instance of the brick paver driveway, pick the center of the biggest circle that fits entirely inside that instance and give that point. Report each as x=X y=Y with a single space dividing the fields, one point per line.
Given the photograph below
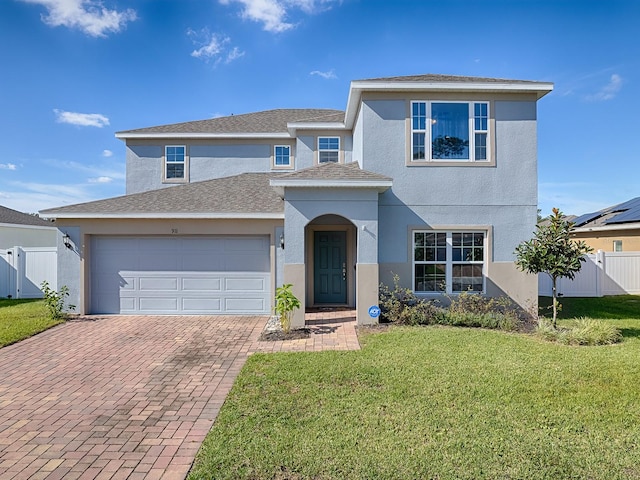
x=117 y=397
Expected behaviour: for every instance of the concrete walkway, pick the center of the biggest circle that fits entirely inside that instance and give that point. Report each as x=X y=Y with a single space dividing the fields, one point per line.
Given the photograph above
x=129 y=397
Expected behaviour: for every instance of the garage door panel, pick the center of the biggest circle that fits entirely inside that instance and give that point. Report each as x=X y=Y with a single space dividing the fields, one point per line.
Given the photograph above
x=158 y=283
x=195 y=305
x=245 y=284
x=202 y=262
x=174 y=275
x=128 y=304
x=240 y=305
x=155 y=304
x=191 y=284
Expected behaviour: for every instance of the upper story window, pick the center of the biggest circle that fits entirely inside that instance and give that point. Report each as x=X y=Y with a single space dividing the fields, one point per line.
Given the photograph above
x=448 y=261
x=282 y=156
x=328 y=149
x=449 y=131
x=175 y=161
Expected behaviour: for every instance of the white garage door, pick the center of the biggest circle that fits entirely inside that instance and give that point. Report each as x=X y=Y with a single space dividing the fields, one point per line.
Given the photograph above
x=180 y=275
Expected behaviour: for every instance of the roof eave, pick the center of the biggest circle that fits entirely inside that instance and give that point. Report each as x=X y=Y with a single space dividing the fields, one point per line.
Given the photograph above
x=167 y=215
x=279 y=185
x=358 y=87
x=610 y=227
x=293 y=127
x=180 y=135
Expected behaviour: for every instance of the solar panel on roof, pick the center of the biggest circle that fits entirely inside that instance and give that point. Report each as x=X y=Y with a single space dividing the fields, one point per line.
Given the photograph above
x=631 y=215
x=587 y=217
x=628 y=205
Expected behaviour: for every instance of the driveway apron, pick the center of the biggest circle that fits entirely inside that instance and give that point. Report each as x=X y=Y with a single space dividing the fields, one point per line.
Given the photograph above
x=119 y=396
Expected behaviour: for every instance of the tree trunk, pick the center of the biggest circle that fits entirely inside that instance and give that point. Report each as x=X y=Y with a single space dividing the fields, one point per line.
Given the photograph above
x=555 y=301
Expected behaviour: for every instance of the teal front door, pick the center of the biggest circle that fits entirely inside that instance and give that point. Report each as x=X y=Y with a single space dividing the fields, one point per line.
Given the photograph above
x=330 y=267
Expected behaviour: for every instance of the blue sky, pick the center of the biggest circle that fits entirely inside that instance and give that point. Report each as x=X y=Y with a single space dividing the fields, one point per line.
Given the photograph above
x=74 y=72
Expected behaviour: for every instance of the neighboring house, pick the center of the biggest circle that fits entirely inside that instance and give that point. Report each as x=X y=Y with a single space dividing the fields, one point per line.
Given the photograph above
x=19 y=229
x=430 y=177
x=27 y=254
x=612 y=229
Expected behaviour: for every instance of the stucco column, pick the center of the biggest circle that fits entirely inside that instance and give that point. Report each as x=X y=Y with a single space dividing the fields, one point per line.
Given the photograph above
x=294 y=273
x=366 y=292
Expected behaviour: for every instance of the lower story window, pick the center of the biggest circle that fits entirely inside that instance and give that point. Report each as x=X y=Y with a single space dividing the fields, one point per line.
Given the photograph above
x=448 y=262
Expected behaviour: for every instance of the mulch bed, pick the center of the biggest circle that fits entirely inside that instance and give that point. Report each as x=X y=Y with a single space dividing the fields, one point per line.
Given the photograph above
x=279 y=335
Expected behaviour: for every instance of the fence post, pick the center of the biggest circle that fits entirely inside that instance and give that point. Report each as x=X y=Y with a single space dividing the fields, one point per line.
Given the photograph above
x=600 y=263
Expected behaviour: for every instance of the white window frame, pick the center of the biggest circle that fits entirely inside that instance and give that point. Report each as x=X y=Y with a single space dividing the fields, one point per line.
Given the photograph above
x=275 y=156
x=184 y=162
x=427 y=132
x=617 y=245
x=335 y=151
x=449 y=262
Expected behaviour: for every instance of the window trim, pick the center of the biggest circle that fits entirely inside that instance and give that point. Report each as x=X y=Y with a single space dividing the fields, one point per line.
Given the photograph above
x=616 y=244
x=185 y=162
x=427 y=131
x=287 y=166
x=332 y=150
x=449 y=262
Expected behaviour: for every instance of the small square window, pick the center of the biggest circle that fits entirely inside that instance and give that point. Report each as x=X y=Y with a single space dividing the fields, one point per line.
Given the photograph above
x=282 y=156
x=328 y=149
x=617 y=245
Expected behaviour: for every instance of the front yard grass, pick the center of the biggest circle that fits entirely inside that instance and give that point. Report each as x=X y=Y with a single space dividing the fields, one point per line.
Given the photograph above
x=433 y=402
x=20 y=319
x=610 y=307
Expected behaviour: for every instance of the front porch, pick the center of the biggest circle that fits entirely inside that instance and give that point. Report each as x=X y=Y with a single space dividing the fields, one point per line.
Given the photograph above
x=330 y=329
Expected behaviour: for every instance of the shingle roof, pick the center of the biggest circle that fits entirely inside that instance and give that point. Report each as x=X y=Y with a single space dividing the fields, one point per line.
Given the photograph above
x=247 y=193
x=625 y=212
x=269 y=121
x=334 y=171
x=430 y=77
x=14 y=217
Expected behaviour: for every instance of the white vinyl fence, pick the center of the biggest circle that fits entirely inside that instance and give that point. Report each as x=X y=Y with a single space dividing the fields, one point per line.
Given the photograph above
x=604 y=273
x=23 y=269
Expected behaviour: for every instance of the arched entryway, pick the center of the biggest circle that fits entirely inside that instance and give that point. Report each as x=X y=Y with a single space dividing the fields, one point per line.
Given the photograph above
x=331 y=255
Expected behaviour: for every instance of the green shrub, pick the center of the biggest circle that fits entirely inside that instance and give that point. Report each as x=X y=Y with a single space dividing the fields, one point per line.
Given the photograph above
x=473 y=310
x=55 y=301
x=286 y=303
x=584 y=331
x=401 y=305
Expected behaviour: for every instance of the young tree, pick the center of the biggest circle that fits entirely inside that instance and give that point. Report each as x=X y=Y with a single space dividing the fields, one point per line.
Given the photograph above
x=552 y=251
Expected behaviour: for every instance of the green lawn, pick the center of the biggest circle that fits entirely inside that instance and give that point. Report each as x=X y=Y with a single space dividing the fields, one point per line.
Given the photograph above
x=434 y=402
x=612 y=307
x=20 y=319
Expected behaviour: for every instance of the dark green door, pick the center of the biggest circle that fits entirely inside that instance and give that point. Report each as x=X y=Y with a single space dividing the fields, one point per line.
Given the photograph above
x=330 y=267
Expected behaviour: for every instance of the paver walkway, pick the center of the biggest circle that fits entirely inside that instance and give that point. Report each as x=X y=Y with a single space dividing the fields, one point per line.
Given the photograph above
x=129 y=397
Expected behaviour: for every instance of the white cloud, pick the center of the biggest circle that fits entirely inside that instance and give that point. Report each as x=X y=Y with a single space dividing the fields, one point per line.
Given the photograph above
x=101 y=180
x=330 y=75
x=609 y=91
x=270 y=13
x=107 y=153
x=81 y=119
x=7 y=166
x=273 y=13
x=234 y=54
x=213 y=46
x=88 y=16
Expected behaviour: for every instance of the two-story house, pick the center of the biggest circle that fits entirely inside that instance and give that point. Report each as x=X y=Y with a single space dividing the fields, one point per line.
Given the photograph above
x=430 y=177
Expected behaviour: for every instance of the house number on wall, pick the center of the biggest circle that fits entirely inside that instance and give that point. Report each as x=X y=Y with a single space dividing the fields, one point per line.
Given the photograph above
x=174 y=230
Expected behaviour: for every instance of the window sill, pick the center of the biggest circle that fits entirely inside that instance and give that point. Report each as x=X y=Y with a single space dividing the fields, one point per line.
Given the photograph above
x=451 y=163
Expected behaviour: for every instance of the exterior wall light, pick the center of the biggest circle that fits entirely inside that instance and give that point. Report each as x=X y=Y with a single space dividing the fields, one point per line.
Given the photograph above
x=282 y=241
x=67 y=241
